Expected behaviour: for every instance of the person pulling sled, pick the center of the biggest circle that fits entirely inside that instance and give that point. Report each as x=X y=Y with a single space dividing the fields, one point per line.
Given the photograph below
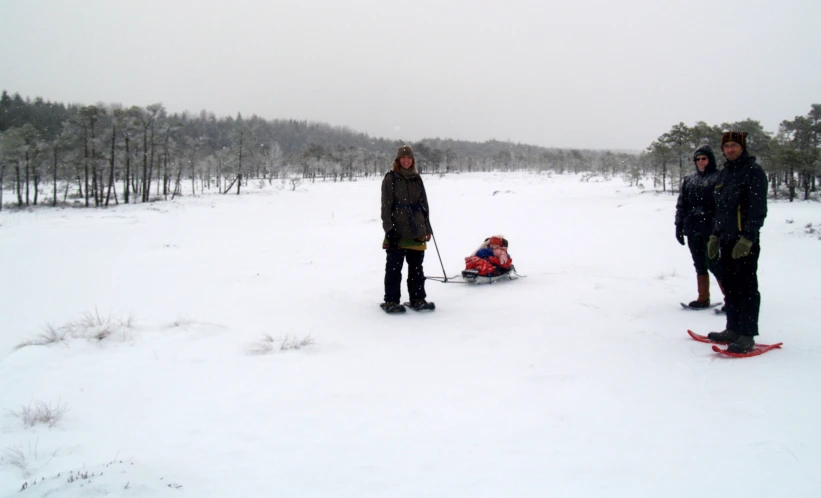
x=405 y=214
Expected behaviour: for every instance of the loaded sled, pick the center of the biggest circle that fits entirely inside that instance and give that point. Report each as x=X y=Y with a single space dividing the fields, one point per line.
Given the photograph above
x=490 y=262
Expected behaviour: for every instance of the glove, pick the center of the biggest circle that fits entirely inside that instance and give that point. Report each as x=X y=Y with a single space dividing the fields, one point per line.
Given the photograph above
x=712 y=247
x=679 y=235
x=742 y=248
x=392 y=236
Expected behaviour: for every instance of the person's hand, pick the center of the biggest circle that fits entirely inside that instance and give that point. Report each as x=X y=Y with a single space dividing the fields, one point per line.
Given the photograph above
x=742 y=248
x=712 y=247
x=679 y=235
x=392 y=236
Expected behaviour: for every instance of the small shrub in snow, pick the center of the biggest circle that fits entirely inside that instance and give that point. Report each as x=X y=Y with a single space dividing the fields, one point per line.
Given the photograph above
x=809 y=229
x=49 y=336
x=16 y=457
x=268 y=344
x=40 y=412
x=90 y=326
x=295 y=343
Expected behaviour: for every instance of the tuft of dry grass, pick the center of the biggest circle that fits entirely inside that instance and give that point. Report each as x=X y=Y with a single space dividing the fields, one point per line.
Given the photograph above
x=90 y=326
x=40 y=412
x=50 y=335
x=267 y=344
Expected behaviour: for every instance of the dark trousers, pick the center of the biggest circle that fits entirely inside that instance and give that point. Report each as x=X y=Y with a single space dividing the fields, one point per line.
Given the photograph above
x=393 y=274
x=698 y=250
x=740 y=281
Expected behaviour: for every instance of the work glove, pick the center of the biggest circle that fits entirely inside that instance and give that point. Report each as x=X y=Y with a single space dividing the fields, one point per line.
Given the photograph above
x=712 y=247
x=742 y=248
x=392 y=236
x=679 y=235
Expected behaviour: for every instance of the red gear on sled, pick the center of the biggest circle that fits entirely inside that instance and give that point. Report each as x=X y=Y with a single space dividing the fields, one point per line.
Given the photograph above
x=483 y=266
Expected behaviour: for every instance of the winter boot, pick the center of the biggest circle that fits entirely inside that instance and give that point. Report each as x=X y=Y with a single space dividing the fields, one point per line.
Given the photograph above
x=421 y=305
x=703 y=300
x=392 y=307
x=743 y=345
x=726 y=336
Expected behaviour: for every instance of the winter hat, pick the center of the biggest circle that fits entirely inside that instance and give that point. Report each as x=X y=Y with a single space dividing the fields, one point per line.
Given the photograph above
x=405 y=150
x=739 y=137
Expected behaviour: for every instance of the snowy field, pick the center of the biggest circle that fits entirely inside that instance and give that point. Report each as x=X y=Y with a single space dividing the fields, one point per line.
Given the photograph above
x=224 y=346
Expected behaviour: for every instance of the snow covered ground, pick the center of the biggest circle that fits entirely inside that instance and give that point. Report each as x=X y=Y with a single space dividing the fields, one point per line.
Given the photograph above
x=576 y=381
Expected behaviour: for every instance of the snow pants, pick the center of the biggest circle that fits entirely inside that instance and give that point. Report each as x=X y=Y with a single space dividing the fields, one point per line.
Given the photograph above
x=740 y=281
x=393 y=274
x=698 y=250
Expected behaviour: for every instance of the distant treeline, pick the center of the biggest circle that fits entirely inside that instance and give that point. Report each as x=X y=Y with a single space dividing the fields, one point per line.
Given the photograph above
x=791 y=157
x=97 y=155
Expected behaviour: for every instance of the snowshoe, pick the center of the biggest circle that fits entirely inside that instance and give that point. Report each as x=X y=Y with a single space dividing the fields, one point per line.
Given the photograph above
x=743 y=345
x=697 y=305
x=420 y=305
x=392 y=307
x=700 y=306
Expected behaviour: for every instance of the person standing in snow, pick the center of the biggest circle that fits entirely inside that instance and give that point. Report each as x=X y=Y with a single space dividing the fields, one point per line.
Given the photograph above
x=694 y=219
x=407 y=229
x=741 y=206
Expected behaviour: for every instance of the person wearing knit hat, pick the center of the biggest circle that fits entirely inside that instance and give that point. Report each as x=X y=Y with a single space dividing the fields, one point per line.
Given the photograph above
x=741 y=207
x=694 y=218
x=405 y=221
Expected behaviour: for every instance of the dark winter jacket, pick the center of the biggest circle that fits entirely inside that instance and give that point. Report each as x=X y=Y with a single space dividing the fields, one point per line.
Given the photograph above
x=405 y=205
x=741 y=199
x=696 y=202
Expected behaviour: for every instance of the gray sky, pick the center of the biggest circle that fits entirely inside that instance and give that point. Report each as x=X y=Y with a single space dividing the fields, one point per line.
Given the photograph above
x=579 y=73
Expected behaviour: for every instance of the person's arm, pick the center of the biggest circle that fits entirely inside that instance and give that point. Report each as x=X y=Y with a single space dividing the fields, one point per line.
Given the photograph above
x=756 y=204
x=426 y=207
x=681 y=204
x=387 y=203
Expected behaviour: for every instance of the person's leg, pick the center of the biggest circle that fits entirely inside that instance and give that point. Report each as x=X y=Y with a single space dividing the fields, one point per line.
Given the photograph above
x=698 y=250
x=729 y=271
x=393 y=274
x=748 y=299
x=728 y=268
x=416 y=275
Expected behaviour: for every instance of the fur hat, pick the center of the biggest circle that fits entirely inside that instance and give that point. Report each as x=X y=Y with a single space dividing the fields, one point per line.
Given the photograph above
x=405 y=150
x=739 y=137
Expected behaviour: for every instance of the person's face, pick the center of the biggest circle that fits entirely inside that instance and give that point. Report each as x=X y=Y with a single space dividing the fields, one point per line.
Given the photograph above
x=406 y=161
x=702 y=162
x=732 y=150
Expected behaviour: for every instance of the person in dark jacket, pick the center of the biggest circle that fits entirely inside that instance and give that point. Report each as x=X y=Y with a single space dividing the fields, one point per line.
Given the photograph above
x=694 y=219
x=741 y=206
x=407 y=229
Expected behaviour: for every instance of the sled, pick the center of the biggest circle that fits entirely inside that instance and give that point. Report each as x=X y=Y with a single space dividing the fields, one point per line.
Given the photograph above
x=473 y=277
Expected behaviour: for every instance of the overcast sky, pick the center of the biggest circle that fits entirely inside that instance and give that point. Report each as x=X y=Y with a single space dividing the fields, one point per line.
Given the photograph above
x=576 y=73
